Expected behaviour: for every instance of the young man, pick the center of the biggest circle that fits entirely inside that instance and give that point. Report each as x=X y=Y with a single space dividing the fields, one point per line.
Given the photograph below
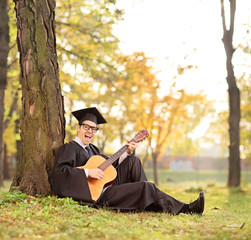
x=130 y=191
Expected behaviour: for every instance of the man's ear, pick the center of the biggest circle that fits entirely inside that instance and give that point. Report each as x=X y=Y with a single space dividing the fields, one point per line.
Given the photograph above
x=78 y=128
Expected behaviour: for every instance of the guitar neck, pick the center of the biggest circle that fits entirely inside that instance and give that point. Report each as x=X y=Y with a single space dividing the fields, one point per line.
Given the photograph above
x=113 y=158
x=140 y=136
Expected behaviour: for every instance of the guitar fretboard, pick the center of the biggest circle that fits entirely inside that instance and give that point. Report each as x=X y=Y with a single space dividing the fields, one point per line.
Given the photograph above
x=113 y=158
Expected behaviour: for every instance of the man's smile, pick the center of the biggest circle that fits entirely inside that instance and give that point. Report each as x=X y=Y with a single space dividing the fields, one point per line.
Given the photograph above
x=88 y=136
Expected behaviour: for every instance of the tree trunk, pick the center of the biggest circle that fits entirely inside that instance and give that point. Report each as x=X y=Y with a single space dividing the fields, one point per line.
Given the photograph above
x=42 y=119
x=6 y=170
x=155 y=174
x=18 y=141
x=1 y=137
x=4 y=50
x=234 y=100
x=145 y=159
x=234 y=152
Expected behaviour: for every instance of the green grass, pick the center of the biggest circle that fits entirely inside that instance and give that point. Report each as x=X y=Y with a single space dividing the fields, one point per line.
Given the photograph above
x=181 y=178
x=227 y=216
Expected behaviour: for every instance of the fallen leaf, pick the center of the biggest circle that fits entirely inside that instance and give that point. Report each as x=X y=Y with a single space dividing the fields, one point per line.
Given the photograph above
x=242 y=225
x=215 y=208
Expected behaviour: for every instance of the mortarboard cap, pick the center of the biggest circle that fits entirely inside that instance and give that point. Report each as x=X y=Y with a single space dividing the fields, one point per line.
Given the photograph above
x=91 y=114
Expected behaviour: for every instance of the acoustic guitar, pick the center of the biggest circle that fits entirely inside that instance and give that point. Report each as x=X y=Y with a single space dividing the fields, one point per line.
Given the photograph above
x=96 y=186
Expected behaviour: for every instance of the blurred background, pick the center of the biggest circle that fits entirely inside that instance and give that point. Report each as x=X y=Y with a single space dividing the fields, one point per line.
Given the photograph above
x=158 y=65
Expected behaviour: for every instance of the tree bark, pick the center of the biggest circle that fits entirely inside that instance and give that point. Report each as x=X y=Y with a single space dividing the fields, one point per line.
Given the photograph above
x=234 y=174
x=4 y=50
x=1 y=137
x=42 y=118
x=6 y=171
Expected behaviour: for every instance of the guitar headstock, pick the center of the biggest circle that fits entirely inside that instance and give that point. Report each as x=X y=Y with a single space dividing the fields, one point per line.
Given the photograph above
x=140 y=136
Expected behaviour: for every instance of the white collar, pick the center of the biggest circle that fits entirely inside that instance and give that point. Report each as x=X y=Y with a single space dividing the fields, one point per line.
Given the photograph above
x=78 y=140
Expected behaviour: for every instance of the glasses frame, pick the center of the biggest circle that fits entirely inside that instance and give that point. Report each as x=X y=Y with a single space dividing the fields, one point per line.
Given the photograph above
x=87 y=127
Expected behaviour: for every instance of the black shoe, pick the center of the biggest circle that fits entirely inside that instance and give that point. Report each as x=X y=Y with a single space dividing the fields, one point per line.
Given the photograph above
x=198 y=205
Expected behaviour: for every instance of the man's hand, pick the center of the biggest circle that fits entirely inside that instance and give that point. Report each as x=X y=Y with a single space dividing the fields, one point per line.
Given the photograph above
x=96 y=173
x=131 y=147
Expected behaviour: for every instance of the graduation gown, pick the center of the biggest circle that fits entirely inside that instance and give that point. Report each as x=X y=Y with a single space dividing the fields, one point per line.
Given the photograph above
x=130 y=191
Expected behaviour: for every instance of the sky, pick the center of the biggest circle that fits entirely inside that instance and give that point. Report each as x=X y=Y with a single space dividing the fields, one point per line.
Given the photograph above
x=186 y=33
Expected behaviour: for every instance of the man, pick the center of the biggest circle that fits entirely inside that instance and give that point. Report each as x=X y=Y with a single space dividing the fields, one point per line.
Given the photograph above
x=131 y=191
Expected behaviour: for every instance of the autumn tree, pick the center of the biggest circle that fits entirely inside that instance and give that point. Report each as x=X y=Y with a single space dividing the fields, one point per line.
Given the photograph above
x=86 y=48
x=245 y=125
x=169 y=117
x=139 y=104
x=4 y=49
x=218 y=130
x=84 y=35
x=87 y=54
x=244 y=84
x=42 y=120
x=234 y=98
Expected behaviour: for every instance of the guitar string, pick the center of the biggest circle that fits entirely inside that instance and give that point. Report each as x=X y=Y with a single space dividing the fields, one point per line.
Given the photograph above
x=114 y=157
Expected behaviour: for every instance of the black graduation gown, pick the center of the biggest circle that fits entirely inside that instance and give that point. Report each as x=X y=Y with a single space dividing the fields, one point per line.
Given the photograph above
x=69 y=181
x=130 y=191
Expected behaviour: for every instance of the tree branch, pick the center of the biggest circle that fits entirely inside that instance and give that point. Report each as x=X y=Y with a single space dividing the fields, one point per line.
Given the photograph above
x=223 y=16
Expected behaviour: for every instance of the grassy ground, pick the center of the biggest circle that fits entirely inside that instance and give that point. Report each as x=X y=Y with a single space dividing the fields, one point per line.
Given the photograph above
x=196 y=178
x=227 y=216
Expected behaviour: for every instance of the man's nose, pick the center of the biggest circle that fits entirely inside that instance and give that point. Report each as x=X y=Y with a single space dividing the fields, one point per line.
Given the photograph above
x=89 y=130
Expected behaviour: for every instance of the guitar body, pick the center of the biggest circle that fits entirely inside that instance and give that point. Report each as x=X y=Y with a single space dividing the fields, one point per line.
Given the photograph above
x=96 y=186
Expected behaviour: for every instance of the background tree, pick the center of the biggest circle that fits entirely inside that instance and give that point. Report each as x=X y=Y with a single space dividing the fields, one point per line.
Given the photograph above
x=234 y=98
x=139 y=104
x=4 y=49
x=42 y=121
x=84 y=30
x=79 y=67
x=94 y=73
x=169 y=118
x=87 y=54
x=218 y=130
x=12 y=105
x=244 y=82
x=245 y=125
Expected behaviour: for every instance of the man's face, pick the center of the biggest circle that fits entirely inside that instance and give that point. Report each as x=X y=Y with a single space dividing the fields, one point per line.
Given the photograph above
x=84 y=134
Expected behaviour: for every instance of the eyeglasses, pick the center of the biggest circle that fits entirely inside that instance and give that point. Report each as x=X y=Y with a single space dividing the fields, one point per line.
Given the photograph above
x=86 y=127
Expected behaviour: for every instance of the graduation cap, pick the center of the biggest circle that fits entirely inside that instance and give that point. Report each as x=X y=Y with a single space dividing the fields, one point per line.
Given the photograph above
x=91 y=114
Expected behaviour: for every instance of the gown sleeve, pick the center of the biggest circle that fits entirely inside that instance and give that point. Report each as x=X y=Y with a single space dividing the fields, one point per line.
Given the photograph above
x=69 y=181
